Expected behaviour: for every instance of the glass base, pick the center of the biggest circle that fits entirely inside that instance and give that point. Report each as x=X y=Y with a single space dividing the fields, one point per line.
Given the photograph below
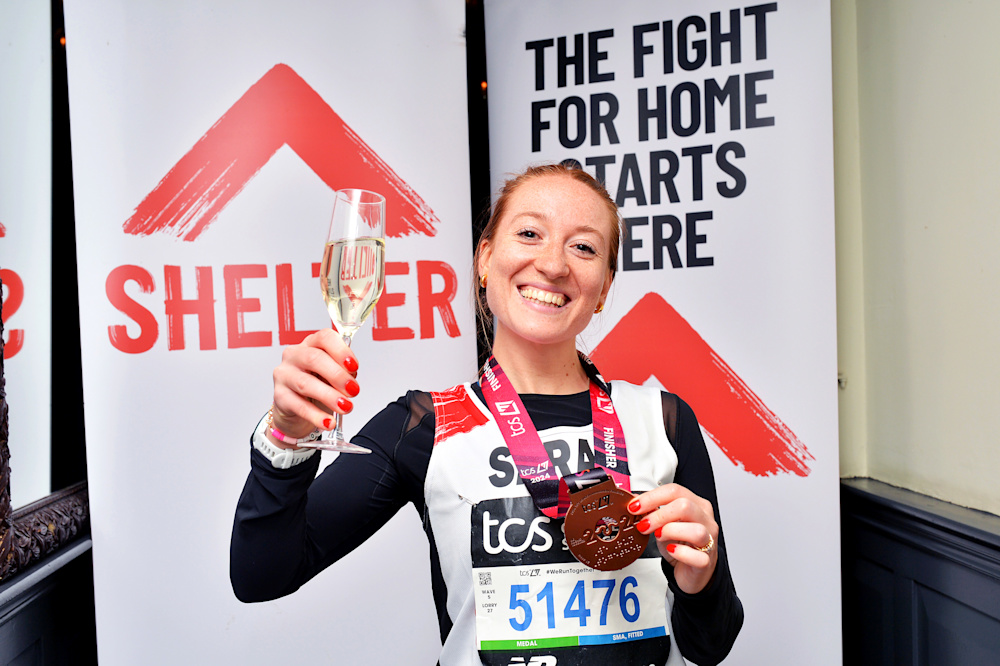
x=338 y=445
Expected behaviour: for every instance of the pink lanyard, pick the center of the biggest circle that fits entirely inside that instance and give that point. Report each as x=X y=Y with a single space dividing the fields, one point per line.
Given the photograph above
x=550 y=493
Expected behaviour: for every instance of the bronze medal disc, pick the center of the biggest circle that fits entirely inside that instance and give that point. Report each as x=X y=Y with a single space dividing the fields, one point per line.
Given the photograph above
x=600 y=531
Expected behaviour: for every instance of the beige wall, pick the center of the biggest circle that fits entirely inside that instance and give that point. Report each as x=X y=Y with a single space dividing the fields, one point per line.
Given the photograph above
x=917 y=132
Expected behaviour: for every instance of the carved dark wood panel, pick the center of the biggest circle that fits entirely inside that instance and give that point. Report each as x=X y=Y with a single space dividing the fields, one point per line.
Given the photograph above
x=39 y=529
x=45 y=526
x=6 y=523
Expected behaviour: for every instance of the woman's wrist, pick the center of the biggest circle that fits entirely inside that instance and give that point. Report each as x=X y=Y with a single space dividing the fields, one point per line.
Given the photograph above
x=281 y=438
x=278 y=443
x=280 y=457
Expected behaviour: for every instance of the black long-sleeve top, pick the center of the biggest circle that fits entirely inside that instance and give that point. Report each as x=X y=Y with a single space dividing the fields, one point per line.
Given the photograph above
x=291 y=524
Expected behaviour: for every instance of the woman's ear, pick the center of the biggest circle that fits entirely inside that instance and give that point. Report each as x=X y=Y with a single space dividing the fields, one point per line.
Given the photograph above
x=485 y=251
x=607 y=286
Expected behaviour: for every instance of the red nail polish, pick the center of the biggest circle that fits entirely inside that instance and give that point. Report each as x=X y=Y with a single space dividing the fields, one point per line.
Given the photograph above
x=352 y=388
x=327 y=423
x=671 y=547
x=658 y=532
x=643 y=525
x=634 y=506
x=345 y=405
x=350 y=364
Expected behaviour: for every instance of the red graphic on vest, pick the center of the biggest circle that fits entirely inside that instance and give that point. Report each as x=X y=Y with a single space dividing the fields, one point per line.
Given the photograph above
x=279 y=109
x=736 y=419
x=454 y=413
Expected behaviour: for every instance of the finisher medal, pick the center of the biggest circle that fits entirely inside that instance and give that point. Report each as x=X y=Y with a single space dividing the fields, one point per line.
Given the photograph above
x=600 y=531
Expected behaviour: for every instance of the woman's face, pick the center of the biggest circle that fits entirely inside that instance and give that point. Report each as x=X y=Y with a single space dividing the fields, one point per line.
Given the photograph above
x=547 y=264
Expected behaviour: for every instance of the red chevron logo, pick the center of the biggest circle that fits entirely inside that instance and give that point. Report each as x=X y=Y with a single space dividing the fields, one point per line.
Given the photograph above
x=735 y=418
x=281 y=108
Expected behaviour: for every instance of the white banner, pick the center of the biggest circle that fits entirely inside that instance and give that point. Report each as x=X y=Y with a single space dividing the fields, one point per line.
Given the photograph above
x=207 y=141
x=711 y=124
x=26 y=240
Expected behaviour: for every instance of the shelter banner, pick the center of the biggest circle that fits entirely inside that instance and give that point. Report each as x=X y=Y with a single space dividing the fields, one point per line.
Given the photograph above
x=208 y=141
x=710 y=123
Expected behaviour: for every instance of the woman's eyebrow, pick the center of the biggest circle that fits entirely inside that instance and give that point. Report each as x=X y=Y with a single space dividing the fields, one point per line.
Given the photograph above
x=530 y=213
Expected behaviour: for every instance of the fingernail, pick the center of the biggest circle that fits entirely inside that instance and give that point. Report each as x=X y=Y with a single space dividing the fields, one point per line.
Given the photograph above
x=350 y=364
x=658 y=532
x=327 y=423
x=671 y=547
x=635 y=506
x=643 y=525
x=352 y=388
x=344 y=405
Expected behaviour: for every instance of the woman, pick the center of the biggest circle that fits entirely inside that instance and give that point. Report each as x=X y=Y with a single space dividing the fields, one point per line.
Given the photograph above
x=545 y=264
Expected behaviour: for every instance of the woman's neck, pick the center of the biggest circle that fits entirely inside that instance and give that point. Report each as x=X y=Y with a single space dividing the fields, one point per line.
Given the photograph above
x=544 y=369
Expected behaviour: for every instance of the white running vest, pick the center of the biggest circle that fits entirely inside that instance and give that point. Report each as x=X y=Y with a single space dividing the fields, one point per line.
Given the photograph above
x=513 y=589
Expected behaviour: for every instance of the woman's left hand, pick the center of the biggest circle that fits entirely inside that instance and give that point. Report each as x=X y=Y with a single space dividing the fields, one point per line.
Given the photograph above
x=684 y=527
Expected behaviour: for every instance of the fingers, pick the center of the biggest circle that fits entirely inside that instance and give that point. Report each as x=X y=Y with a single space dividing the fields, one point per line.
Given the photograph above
x=324 y=354
x=315 y=379
x=680 y=521
x=684 y=542
x=668 y=494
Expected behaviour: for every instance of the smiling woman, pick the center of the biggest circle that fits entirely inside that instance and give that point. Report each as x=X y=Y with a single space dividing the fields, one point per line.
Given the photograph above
x=559 y=508
x=546 y=260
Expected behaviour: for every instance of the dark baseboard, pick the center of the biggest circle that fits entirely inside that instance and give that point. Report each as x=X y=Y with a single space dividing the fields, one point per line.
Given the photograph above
x=47 y=612
x=921 y=578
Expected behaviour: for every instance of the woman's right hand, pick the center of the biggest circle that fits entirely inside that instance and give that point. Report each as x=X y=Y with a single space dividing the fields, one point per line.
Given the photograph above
x=315 y=379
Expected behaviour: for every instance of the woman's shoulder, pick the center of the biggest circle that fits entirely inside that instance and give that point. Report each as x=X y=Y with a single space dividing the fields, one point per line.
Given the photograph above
x=647 y=395
x=421 y=406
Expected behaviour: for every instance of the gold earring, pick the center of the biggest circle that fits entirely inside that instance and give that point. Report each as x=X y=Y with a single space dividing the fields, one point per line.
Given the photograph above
x=600 y=308
x=482 y=281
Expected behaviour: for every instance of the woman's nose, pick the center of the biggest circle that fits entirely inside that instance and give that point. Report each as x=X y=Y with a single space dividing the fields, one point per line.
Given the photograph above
x=551 y=260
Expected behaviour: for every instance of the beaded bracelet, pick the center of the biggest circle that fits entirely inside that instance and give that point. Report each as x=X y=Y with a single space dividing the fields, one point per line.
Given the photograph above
x=282 y=437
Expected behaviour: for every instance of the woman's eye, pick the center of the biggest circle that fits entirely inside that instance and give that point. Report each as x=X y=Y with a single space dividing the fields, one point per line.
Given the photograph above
x=583 y=247
x=527 y=233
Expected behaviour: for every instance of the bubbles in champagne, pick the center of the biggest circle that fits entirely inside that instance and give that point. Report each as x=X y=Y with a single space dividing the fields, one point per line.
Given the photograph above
x=352 y=277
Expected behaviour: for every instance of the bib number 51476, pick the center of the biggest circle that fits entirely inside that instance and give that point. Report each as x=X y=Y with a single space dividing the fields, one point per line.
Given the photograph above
x=576 y=605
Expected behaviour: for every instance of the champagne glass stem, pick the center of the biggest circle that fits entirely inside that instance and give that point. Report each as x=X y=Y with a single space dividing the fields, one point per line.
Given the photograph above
x=338 y=431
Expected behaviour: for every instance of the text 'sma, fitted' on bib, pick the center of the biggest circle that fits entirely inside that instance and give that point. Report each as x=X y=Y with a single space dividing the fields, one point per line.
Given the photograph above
x=516 y=595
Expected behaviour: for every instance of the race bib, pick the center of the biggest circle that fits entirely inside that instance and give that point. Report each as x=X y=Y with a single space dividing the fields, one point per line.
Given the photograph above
x=535 y=603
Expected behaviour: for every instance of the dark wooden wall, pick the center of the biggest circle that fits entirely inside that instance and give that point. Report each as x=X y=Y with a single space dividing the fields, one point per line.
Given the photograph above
x=921 y=579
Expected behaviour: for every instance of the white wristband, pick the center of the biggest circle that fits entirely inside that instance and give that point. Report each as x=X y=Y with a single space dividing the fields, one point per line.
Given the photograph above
x=280 y=458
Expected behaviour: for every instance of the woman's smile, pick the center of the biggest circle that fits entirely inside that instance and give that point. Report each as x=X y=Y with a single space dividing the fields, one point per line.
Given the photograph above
x=536 y=295
x=547 y=264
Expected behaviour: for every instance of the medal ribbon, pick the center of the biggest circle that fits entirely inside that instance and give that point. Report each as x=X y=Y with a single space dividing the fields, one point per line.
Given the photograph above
x=549 y=492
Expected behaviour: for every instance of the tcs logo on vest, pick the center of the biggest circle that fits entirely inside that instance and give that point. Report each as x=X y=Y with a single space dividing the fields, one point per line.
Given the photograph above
x=508 y=526
x=542 y=543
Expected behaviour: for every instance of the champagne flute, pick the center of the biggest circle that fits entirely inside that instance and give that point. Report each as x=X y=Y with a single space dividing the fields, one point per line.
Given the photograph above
x=352 y=277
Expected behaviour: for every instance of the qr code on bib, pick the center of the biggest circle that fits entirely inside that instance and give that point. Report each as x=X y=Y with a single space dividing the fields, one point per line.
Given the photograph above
x=485 y=577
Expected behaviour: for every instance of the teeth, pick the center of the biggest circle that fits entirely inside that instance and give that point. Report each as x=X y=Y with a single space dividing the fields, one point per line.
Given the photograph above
x=543 y=296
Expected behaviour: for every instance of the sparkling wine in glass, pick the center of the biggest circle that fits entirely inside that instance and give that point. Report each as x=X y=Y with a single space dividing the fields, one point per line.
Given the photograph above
x=352 y=277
